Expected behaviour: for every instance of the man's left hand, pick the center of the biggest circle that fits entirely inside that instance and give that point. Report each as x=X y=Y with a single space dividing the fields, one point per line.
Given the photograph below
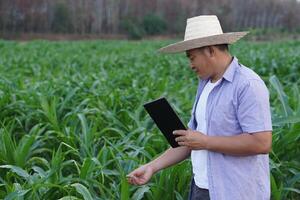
x=194 y=140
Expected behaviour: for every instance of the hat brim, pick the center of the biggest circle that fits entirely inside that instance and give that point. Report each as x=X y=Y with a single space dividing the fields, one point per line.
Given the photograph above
x=225 y=38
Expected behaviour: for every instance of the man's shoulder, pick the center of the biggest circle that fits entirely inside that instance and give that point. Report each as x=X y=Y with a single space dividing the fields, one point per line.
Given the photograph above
x=247 y=74
x=246 y=77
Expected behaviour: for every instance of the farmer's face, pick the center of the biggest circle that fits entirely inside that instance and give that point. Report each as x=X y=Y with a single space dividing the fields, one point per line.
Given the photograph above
x=201 y=62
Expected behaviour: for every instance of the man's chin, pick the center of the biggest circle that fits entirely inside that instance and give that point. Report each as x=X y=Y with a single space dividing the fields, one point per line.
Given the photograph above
x=202 y=76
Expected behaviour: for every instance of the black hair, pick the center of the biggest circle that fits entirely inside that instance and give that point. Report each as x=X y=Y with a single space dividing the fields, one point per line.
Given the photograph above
x=222 y=47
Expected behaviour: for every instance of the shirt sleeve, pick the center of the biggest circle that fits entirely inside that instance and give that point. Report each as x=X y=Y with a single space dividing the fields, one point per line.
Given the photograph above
x=253 y=111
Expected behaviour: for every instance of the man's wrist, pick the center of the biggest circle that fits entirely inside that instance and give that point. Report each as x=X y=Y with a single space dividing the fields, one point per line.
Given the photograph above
x=207 y=142
x=152 y=166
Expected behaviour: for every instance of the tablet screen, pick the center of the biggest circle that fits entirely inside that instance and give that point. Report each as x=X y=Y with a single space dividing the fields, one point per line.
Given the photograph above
x=165 y=118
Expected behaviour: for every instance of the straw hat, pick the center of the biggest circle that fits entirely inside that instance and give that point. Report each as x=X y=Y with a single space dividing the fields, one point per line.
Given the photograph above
x=200 y=31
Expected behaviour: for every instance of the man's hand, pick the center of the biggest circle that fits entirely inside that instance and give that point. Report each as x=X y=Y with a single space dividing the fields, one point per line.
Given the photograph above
x=141 y=175
x=194 y=140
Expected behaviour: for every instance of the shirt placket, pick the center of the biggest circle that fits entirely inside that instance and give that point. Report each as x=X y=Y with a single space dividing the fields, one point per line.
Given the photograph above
x=209 y=107
x=211 y=101
x=199 y=92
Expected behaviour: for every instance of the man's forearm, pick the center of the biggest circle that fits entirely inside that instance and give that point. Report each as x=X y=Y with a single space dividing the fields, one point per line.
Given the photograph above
x=241 y=145
x=170 y=157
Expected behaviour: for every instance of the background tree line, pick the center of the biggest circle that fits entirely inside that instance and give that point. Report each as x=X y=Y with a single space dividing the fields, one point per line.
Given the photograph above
x=137 y=17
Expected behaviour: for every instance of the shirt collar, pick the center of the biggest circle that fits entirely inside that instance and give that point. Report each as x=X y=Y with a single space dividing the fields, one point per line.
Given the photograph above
x=228 y=74
x=230 y=71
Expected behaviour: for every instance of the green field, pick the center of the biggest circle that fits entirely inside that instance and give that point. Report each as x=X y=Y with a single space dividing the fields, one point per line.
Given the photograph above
x=72 y=124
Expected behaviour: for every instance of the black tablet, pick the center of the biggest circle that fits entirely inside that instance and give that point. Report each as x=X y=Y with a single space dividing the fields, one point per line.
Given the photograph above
x=165 y=118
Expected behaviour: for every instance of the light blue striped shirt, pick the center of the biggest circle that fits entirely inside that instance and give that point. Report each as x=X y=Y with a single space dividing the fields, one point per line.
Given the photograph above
x=239 y=104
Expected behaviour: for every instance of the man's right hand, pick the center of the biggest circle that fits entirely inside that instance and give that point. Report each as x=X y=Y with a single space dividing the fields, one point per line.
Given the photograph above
x=141 y=175
x=172 y=156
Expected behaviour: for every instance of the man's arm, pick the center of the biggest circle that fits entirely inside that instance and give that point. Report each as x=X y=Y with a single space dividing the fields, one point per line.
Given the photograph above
x=244 y=144
x=241 y=145
x=170 y=157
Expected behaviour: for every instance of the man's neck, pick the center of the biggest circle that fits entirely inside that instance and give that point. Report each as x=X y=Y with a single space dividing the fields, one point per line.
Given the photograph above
x=224 y=64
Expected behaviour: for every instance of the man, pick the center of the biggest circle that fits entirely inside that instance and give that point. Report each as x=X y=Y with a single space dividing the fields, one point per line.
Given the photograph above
x=230 y=130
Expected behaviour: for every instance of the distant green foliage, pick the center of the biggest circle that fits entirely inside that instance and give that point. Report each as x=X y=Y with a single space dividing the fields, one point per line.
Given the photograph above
x=61 y=22
x=150 y=25
x=72 y=124
x=154 y=24
x=132 y=29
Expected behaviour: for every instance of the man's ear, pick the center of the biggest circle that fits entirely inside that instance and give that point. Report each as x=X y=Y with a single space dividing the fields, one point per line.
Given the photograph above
x=210 y=51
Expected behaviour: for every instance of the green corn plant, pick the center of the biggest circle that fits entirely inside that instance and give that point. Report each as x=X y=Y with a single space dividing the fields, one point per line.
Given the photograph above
x=287 y=169
x=72 y=124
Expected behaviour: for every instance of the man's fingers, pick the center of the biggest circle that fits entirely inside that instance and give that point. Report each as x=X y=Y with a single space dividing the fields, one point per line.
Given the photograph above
x=136 y=181
x=131 y=179
x=180 y=139
x=129 y=175
x=180 y=132
x=182 y=143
